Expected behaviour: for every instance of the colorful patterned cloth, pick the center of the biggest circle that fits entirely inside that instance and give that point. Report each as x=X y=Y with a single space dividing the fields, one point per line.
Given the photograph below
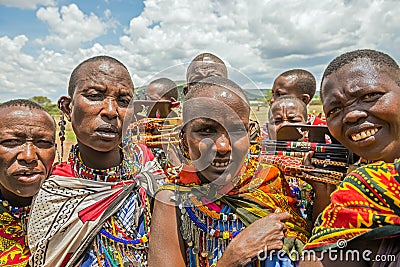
x=78 y=221
x=14 y=250
x=67 y=212
x=365 y=206
x=260 y=190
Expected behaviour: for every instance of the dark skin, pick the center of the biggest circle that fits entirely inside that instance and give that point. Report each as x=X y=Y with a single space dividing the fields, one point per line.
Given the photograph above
x=361 y=105
x=199 y=70
x=97 y=111
x=287 y=112
x=285 y=85
x=268 y=231
x=27 y=151
x=282 y=113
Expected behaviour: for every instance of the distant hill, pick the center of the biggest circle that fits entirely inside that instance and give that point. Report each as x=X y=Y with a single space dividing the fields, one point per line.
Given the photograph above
x=252 y=94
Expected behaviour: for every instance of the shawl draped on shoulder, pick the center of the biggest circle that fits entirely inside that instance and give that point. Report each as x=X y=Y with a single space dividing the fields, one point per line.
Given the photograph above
x=365 y=206
x=67 y=214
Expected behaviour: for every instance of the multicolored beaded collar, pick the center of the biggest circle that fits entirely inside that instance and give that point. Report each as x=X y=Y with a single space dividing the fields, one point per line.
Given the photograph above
x=113 y=174
x=17 y=212
x=20 y=213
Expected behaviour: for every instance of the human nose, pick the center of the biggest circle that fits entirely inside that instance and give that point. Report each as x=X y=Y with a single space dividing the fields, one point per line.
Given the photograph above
x=110 y=108
x=28 y=154
x=223 y=144
x=353 y=115
x=272 y=99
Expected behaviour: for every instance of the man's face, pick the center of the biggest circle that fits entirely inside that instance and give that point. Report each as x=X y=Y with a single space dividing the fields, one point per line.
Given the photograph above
x=99 y=105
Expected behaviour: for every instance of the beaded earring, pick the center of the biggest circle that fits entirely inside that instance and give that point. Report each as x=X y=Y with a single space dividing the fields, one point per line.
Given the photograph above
x=61 y=134
x=183 y=146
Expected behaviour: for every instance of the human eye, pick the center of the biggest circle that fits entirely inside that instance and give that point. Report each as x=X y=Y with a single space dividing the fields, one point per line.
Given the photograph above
x=207 y=130
x=124 y=101
x=11 y=142
x=44 y=143
x=94 y=95
x=333 y=111
x=295 y=120
x=372 y=96
x=277 y=121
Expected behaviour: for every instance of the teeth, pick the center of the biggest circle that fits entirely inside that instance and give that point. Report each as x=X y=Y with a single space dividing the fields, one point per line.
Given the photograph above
x=363 y=134
x=220 y=164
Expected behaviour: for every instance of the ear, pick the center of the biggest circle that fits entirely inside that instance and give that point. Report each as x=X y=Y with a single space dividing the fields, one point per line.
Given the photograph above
x=306 y=98
x=64 y=104
x=185 y=89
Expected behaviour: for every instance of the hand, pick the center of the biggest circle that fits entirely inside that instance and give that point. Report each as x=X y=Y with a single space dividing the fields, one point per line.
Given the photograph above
x=263 y=235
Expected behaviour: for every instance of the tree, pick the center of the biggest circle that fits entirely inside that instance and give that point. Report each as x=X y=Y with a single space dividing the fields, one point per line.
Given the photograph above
x=46 y=104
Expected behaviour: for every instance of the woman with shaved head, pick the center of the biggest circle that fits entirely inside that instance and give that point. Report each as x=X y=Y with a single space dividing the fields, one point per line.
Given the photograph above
x=360 y=92
x=226 y=208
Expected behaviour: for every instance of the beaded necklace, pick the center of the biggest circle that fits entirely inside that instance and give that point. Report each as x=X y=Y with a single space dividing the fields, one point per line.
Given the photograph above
x=115 y=245
x=107 y=175
x=207 y=232
x=21 y=213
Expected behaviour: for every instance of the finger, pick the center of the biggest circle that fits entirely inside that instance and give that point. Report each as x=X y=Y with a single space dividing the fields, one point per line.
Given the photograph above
x=274 y=245
x=280 y=226
x=281 y=216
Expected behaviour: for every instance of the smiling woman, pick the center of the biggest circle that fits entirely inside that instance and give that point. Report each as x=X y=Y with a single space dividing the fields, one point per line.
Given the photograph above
x=27 y=138
x=226 y=205
x=361 y=94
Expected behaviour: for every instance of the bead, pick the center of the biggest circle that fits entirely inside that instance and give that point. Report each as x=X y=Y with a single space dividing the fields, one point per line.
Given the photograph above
x=212 y=232
x=217 y=233
x=225 y=234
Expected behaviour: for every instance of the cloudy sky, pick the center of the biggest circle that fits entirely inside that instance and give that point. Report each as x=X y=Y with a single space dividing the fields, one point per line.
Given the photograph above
x=41 y=41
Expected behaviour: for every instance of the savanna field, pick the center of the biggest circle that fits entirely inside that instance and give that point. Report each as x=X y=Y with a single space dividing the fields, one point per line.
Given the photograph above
x=259 y=112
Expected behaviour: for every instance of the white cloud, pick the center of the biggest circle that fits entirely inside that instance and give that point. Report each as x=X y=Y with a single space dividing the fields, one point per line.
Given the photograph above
x=259 y=38
x=26 y=4
x=70 y=27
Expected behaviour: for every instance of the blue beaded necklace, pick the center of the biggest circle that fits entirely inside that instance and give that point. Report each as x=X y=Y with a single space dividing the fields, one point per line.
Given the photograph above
x=17 y=212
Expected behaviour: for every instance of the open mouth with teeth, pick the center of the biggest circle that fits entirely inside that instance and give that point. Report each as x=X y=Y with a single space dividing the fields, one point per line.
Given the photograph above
x=220 y=164
x=364 y=134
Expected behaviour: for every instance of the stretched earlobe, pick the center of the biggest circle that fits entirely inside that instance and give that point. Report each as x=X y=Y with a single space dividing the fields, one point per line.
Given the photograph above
x=183 y=145
x=64 y=104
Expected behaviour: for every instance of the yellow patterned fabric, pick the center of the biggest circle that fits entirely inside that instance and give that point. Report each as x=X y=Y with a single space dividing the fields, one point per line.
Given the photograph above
x=14 y=250
x=365 y=206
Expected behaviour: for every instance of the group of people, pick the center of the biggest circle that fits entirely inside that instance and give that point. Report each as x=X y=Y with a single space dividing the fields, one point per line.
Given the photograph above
x=226 y=206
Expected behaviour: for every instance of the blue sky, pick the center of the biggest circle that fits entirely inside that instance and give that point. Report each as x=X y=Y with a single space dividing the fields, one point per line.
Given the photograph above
x=41 y=41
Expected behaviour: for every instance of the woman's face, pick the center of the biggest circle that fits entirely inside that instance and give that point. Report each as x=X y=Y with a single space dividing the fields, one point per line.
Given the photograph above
x=282 y=113
x=27 y=138
x=361 y=104
x=217 y=134
x=99 y=104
